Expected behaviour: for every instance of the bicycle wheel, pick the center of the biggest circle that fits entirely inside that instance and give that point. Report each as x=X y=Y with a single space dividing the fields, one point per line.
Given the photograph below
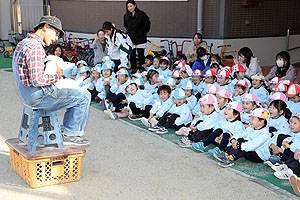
x=90 y=60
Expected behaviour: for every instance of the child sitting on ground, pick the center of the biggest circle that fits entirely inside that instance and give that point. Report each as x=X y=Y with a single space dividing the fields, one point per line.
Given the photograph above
x=252 y=143
x=75 y=69
x=150 y=85
x=188 y=88
x=293 y=94
x=177 y=77
x=291 y=164
x=160 y=106
x=223 y=97
x=155 y=65
x=202 y=126
x=92 y=88
x=106 y=81
x=84 y=79
x=210 y=78
x=250 y=102
x=179 y=114
x=223 y=79
x=258 y=88
x=230 y=126
x=240 y=90
x=139 y=102
x=148 y=62
x=164 y=65
x=116 y=96
x=197 y=80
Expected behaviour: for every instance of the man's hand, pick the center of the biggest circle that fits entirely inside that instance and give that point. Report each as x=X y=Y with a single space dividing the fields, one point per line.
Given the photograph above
x=59 y=71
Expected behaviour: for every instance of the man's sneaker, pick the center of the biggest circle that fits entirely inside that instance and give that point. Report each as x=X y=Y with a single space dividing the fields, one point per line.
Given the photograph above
x=111 y=115
x=274 y=159
x=226 y=163
x=154 y=128
x=185 y=142
x=199 y=146
x=75 y=140
x=162 y=130
x=146 y=122
x=214 y=151
x=135 y=117
x=153 y=122
x=220 y=156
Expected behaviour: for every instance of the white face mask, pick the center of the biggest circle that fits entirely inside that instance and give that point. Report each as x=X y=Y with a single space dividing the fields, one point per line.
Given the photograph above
x=279 y=63
x=204 y=57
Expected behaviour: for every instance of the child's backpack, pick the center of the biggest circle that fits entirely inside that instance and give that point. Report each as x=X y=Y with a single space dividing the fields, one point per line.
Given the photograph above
x=126 y=44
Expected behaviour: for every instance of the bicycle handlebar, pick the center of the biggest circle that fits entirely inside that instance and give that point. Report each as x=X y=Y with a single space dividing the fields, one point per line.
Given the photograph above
x=224 y=45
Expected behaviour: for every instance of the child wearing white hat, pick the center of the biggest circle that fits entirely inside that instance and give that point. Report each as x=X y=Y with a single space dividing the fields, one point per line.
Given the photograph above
x=202 y=126
x=178 y=116
x=230 y=126
x=223 y=79
x=197 y=80
x=223 y=97
x=240 y=90
x=250 y=102
x=188 y=88
x=252 y=143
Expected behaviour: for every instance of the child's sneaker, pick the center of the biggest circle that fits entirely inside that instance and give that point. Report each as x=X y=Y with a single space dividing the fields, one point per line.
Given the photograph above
x=146 y=122
x=104 y=104
x=214 y=151
x=162 y=130
x=199 y=146
x=222 y=156
x=279 y=167
x=183 y=131
x=282 y=175
x=153 y=122
x=154 y=128
x=112 y=115
x=135 y=117
x=273 y=160
x=184 y=142
x=226 y=162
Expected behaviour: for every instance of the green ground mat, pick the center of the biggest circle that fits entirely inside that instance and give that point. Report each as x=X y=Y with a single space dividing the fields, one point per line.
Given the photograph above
x=263 y=174
x=5 y=62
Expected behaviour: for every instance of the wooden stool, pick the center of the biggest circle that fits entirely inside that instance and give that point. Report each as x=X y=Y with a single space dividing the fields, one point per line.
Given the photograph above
x=34 y=133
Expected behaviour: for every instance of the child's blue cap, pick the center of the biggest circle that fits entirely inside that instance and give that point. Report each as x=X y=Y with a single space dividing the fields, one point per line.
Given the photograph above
x=136 y=75
x=81 y=62
x=179 y=94
x=84 y=69
x=106 y=59
x=123 y=71
x=106 y=66
x=189 y=85
x=97 y=68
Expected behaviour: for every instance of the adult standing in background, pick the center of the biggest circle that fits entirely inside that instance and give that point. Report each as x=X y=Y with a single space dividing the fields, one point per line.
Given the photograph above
x=137 y=24
x=191 y=53
x=247 y=59
x=99 y=46
x=283 y=68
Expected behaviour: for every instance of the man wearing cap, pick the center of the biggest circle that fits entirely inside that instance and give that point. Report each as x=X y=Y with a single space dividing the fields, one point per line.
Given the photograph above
x=37 y=88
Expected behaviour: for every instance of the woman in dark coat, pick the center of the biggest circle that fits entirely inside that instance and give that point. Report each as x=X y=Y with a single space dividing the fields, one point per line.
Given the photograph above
x=137 y=24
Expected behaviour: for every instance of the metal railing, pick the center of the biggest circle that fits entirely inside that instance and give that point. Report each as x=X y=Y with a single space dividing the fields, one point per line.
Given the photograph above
x=288 y=34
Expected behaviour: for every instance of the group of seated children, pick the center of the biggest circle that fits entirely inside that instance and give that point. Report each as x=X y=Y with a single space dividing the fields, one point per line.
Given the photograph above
x=242 y=116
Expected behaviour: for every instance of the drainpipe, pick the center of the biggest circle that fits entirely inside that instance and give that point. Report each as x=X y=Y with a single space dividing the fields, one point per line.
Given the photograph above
x=200 y=16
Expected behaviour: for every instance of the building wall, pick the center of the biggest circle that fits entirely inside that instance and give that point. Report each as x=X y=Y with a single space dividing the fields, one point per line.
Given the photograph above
x=4 y=19
x=174 y=19
x=270 y=18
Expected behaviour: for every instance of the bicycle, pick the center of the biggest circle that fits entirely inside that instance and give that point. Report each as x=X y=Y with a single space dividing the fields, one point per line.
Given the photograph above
x=226 y=60
x=153 y=52
x=179 y=47
x=170 y=54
